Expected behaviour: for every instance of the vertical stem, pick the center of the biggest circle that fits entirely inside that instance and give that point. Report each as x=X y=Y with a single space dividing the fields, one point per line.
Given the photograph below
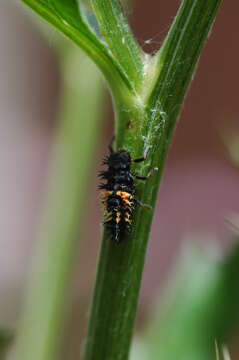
x=121 y=266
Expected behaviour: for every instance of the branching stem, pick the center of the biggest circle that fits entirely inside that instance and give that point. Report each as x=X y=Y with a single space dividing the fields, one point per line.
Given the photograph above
x=148 y=94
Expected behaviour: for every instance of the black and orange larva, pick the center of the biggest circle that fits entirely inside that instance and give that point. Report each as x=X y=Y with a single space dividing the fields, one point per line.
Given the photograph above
x=119 y=192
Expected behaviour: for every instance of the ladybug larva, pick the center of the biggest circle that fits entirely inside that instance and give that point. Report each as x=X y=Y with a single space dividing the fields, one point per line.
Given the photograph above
x=119 y=192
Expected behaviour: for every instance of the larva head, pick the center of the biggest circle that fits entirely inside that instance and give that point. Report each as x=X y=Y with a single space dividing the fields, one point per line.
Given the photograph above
x=120 y=160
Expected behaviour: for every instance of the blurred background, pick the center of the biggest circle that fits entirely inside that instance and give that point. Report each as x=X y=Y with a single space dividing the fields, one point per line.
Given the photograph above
x=199 y=194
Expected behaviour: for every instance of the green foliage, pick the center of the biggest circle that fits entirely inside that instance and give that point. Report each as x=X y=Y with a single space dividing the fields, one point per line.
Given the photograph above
x=199 y=308
x=148 y=93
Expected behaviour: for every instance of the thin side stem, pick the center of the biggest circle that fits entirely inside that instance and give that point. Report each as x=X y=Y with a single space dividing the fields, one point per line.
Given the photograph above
x=120 y=39
x=180 y=52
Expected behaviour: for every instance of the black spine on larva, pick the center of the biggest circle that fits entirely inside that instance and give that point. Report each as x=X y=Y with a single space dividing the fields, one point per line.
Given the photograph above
x=118 y=180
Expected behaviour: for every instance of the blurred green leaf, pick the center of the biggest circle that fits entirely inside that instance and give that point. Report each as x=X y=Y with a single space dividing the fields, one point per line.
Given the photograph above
x=199 y=307
x=80 y=114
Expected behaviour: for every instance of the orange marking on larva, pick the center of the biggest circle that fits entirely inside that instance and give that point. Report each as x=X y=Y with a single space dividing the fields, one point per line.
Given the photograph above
x=129 y=203
x=108 y=193
x=105 y=195
x=123 y=194
x=126 y=197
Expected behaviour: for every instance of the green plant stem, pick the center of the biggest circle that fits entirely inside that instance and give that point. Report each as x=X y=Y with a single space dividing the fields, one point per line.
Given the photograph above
x=180 y=51
x=120 y=266
x=41 y=328
x=120 y=39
